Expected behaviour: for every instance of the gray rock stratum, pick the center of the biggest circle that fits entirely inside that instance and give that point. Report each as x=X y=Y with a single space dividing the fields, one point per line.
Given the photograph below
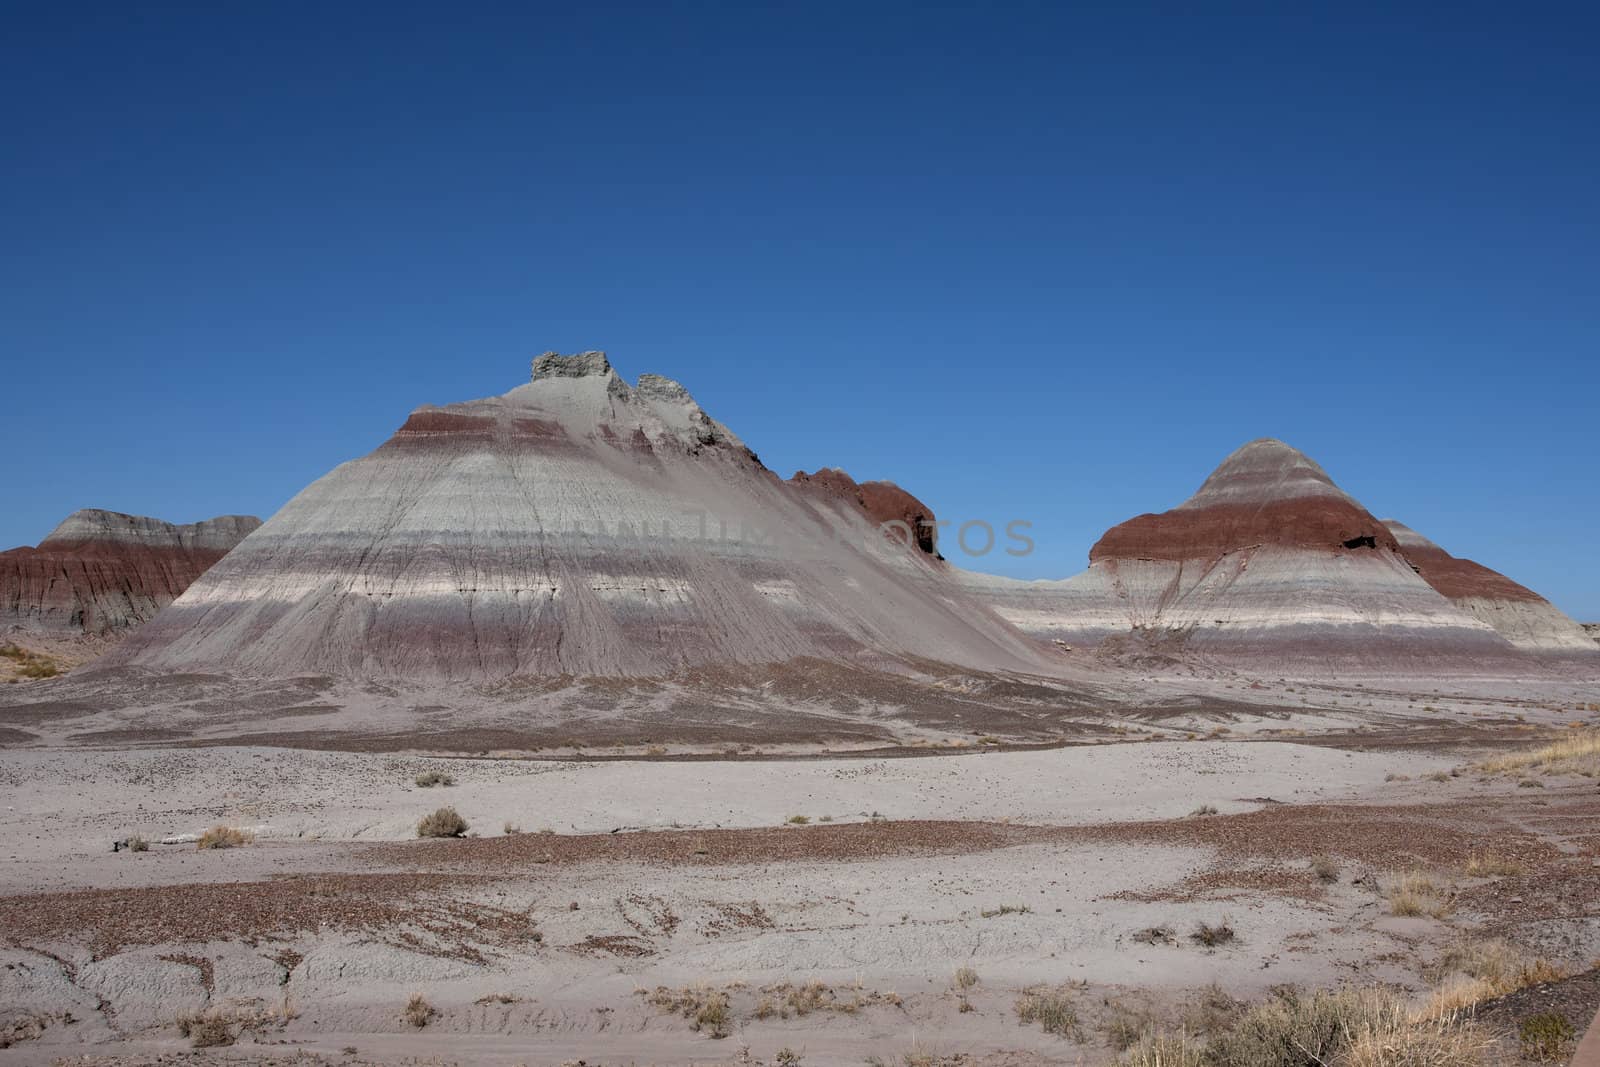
x=575 y=526
x=1271 y=563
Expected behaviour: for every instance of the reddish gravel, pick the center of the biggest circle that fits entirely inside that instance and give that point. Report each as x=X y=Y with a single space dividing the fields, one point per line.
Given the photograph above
x=411 y=908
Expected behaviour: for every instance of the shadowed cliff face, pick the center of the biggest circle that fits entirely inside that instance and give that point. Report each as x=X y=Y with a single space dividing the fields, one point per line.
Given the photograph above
x=101 y=572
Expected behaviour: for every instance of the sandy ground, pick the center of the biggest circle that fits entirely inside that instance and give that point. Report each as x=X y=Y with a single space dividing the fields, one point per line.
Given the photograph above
x=1045 y=868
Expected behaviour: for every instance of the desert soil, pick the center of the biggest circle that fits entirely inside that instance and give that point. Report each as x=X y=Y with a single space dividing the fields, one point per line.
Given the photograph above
x=830 y=898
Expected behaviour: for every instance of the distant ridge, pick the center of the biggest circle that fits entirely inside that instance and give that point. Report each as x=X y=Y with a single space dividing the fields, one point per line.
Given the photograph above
x=101 y=572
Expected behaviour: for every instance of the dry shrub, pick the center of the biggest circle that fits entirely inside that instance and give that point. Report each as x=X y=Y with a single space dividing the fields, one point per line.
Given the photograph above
x=429 y=779
x=418 y=1011
x=1577 y=752
x=965 y=978
x=1395 y=1038
x=224 y=837
x=706 y=1009
x=1325 y=867
x=1344 y=1028
x=1545 y=1037
x=211 y=1029
x=445 y=822
x=1492 y=865
x=1415 y=894
x=1213 y=935
x=1473 y=971
x=1163 y=1050
x=138 y=844
x=1052 y=1009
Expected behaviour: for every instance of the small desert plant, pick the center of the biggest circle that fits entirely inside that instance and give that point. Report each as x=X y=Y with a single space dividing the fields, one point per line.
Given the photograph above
x=429 y=779
x=1006 y=909
x=207 y=1029
x=798 y=820
x=787 y=1057
x=1545 y=1036
x=138 y=844
x=1490 y=865
x=511 y=829
x=1470 y=972
x=498 y=998
x=965 y=978
x=1211 y=935
x=1163 y=1050
x=443 y=823
x=1053 y=1010
x=1204 y=809
x=224 y=837
x=1577 y=751
x=418 y=1011
x=712 y=1016
x=1415 y=895
x=1325 y=867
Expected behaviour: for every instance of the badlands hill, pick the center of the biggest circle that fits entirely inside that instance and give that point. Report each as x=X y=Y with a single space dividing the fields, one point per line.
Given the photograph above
x=100 y=573
x=1517 y=613
x=1273 y=564
x=576 y=526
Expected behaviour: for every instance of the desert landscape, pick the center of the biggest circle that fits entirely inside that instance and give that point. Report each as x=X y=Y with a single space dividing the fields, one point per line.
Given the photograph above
x=559 y=729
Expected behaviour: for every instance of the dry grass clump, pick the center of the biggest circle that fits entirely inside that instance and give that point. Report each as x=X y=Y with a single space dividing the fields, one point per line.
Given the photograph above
x=30 y=664
x=1492 y=865
x=445 y=822
x=1052 y=1009
x=218 y=1027
x=1577 y=753
x=802 y=998
x=138 y=844
x=1473 y=971
x=210 y=1029
x=1205 y=809
x=706 y=1009
x=429 y=779
x=1344 y=1028
x=418 y=1011
x=1164 y=1050
x=1209 y=935
x=224 y=837
x=1325 y=867
x=1415 y=894
x=1006 y=909
x=798 y=820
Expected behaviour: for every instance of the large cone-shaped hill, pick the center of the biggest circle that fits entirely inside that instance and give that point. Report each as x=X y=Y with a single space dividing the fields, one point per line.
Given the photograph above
x=576 y=526
x=1271 y=561
x=101 y=572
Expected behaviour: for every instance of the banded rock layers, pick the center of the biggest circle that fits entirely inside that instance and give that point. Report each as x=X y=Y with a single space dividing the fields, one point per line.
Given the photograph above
x=1271 y=560
x=101 y=572
x=1516 y=612
x=576 y=526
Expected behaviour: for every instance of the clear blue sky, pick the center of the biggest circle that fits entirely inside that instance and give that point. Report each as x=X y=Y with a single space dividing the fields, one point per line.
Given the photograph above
x=1028 y=261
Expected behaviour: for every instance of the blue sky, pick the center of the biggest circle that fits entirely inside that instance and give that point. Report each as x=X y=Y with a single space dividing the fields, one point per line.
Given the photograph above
x=1029 y=261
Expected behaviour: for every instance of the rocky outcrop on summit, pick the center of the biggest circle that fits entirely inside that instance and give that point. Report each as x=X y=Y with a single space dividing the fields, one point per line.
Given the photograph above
x=899 y=514
x=1520 y=615
x=1269 y=559
x=576 y=526
x=101 y=572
